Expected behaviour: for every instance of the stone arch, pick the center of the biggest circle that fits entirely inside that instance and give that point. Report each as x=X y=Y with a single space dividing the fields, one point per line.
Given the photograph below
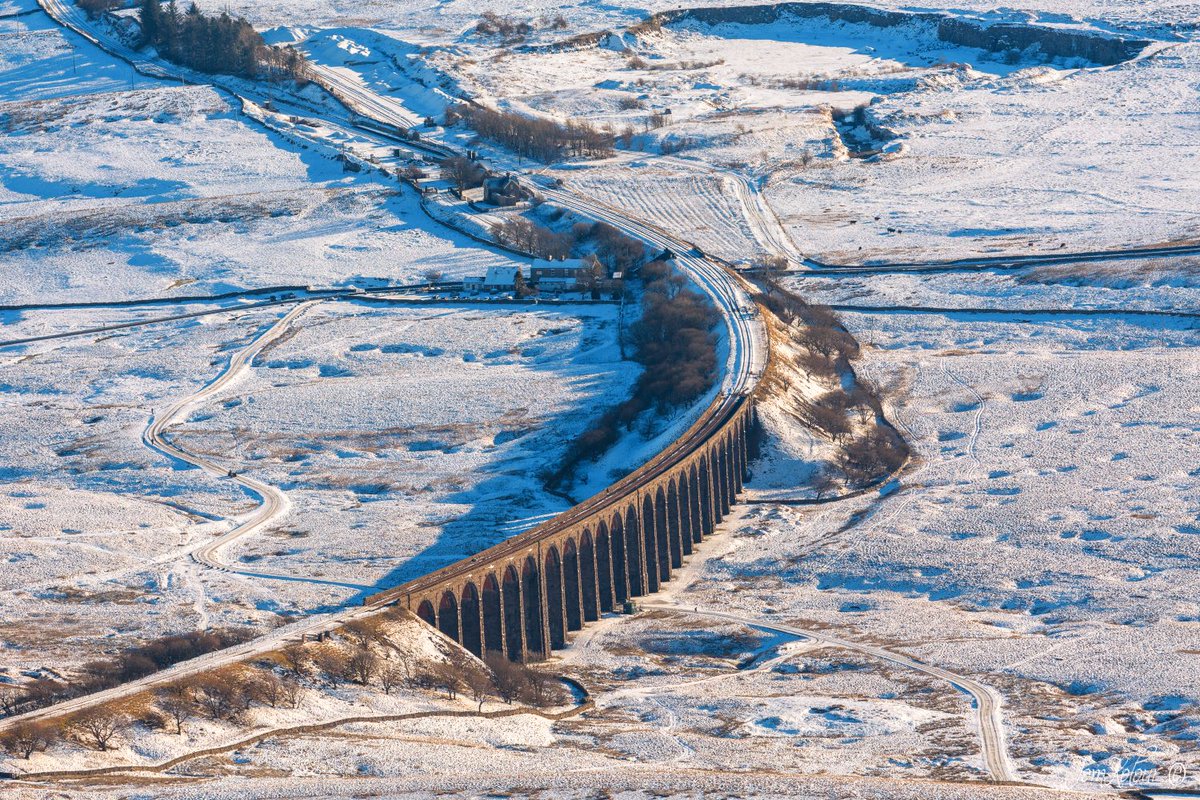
x=662 y=536
x=572 y=590
x=448 y=615
x=620 y=561
x=470 y=611
x=514 y=633
x=720 y=482
x=707 y=504
x=531 y=610
x=425 y=612
x=740 y=456
x=684 y=489
x=650 y=545
x=734 y=481
x=493 y=615
x=735 y=436
x=634 y=557
x=674 y=537
x=695 y=511
x=555 y=589
x=591 y=595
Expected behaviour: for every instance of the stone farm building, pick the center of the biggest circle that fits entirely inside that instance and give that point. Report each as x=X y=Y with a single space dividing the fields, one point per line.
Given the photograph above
x=565 y=275
x=497 y=279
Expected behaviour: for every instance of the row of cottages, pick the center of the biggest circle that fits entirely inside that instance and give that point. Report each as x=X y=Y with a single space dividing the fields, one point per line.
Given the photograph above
x=497 y=279
x=569 y=275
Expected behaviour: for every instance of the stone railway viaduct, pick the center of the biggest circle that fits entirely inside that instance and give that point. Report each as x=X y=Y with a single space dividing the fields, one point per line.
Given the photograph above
x=524 y=596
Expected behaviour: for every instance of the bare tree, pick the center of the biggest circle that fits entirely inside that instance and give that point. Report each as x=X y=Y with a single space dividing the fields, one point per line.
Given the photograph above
x=479 y=683
x=295 y=657
x=44 y=691
x=446 y=677
x=267 y=688
x=175 y=701
x=11 y=700
x=541 y=689
x=221 y=696
x=432 y=276
x=97 y=727
x=26 y=738
x=463 y=173
x=772 y=263
x=332 y=662
x=509 y=678
x=824 y=483
x=361 y=666
x=390 y=677
x=292 y=692
x=365 y=631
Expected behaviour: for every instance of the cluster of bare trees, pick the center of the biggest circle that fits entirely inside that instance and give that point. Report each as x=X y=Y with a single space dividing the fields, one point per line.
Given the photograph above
x=131 y=664
x=851 y=415
x=280 y=681
x=463 y=172
x=674 y=342
x=95 y=728
x=521 y=682
x=541 y=139
x=878 y=452
x=357 y=660
x=527 y=236
x=224 y=695
x=829 y=348
x=514 y=30
x=614 y=249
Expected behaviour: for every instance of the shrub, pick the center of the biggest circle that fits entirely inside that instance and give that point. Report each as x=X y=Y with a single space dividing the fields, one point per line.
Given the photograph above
x=26 y=738
x=97 y=727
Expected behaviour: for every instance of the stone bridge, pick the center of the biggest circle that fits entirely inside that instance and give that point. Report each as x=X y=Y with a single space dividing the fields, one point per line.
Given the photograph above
x=524 y=596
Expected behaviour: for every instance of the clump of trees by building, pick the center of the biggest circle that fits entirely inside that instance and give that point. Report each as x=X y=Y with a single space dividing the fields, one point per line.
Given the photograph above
x=527 y=236
x=540 y=139
x=614 y=249
x=216 y=44
x=675 y=344
x=463 y=172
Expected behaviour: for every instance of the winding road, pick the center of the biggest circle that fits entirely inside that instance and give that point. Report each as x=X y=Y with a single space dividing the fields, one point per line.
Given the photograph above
x=273 y=502
x=986 y=702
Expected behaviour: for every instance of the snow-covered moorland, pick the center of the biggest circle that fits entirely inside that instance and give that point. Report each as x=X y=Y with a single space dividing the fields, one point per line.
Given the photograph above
x=427 y=426
x=1038 y=545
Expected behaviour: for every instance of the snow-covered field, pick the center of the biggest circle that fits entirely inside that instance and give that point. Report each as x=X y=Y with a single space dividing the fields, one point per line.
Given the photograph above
x=112 y=191
x=969 y=142
x=424 y=426
x=1041 y=542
